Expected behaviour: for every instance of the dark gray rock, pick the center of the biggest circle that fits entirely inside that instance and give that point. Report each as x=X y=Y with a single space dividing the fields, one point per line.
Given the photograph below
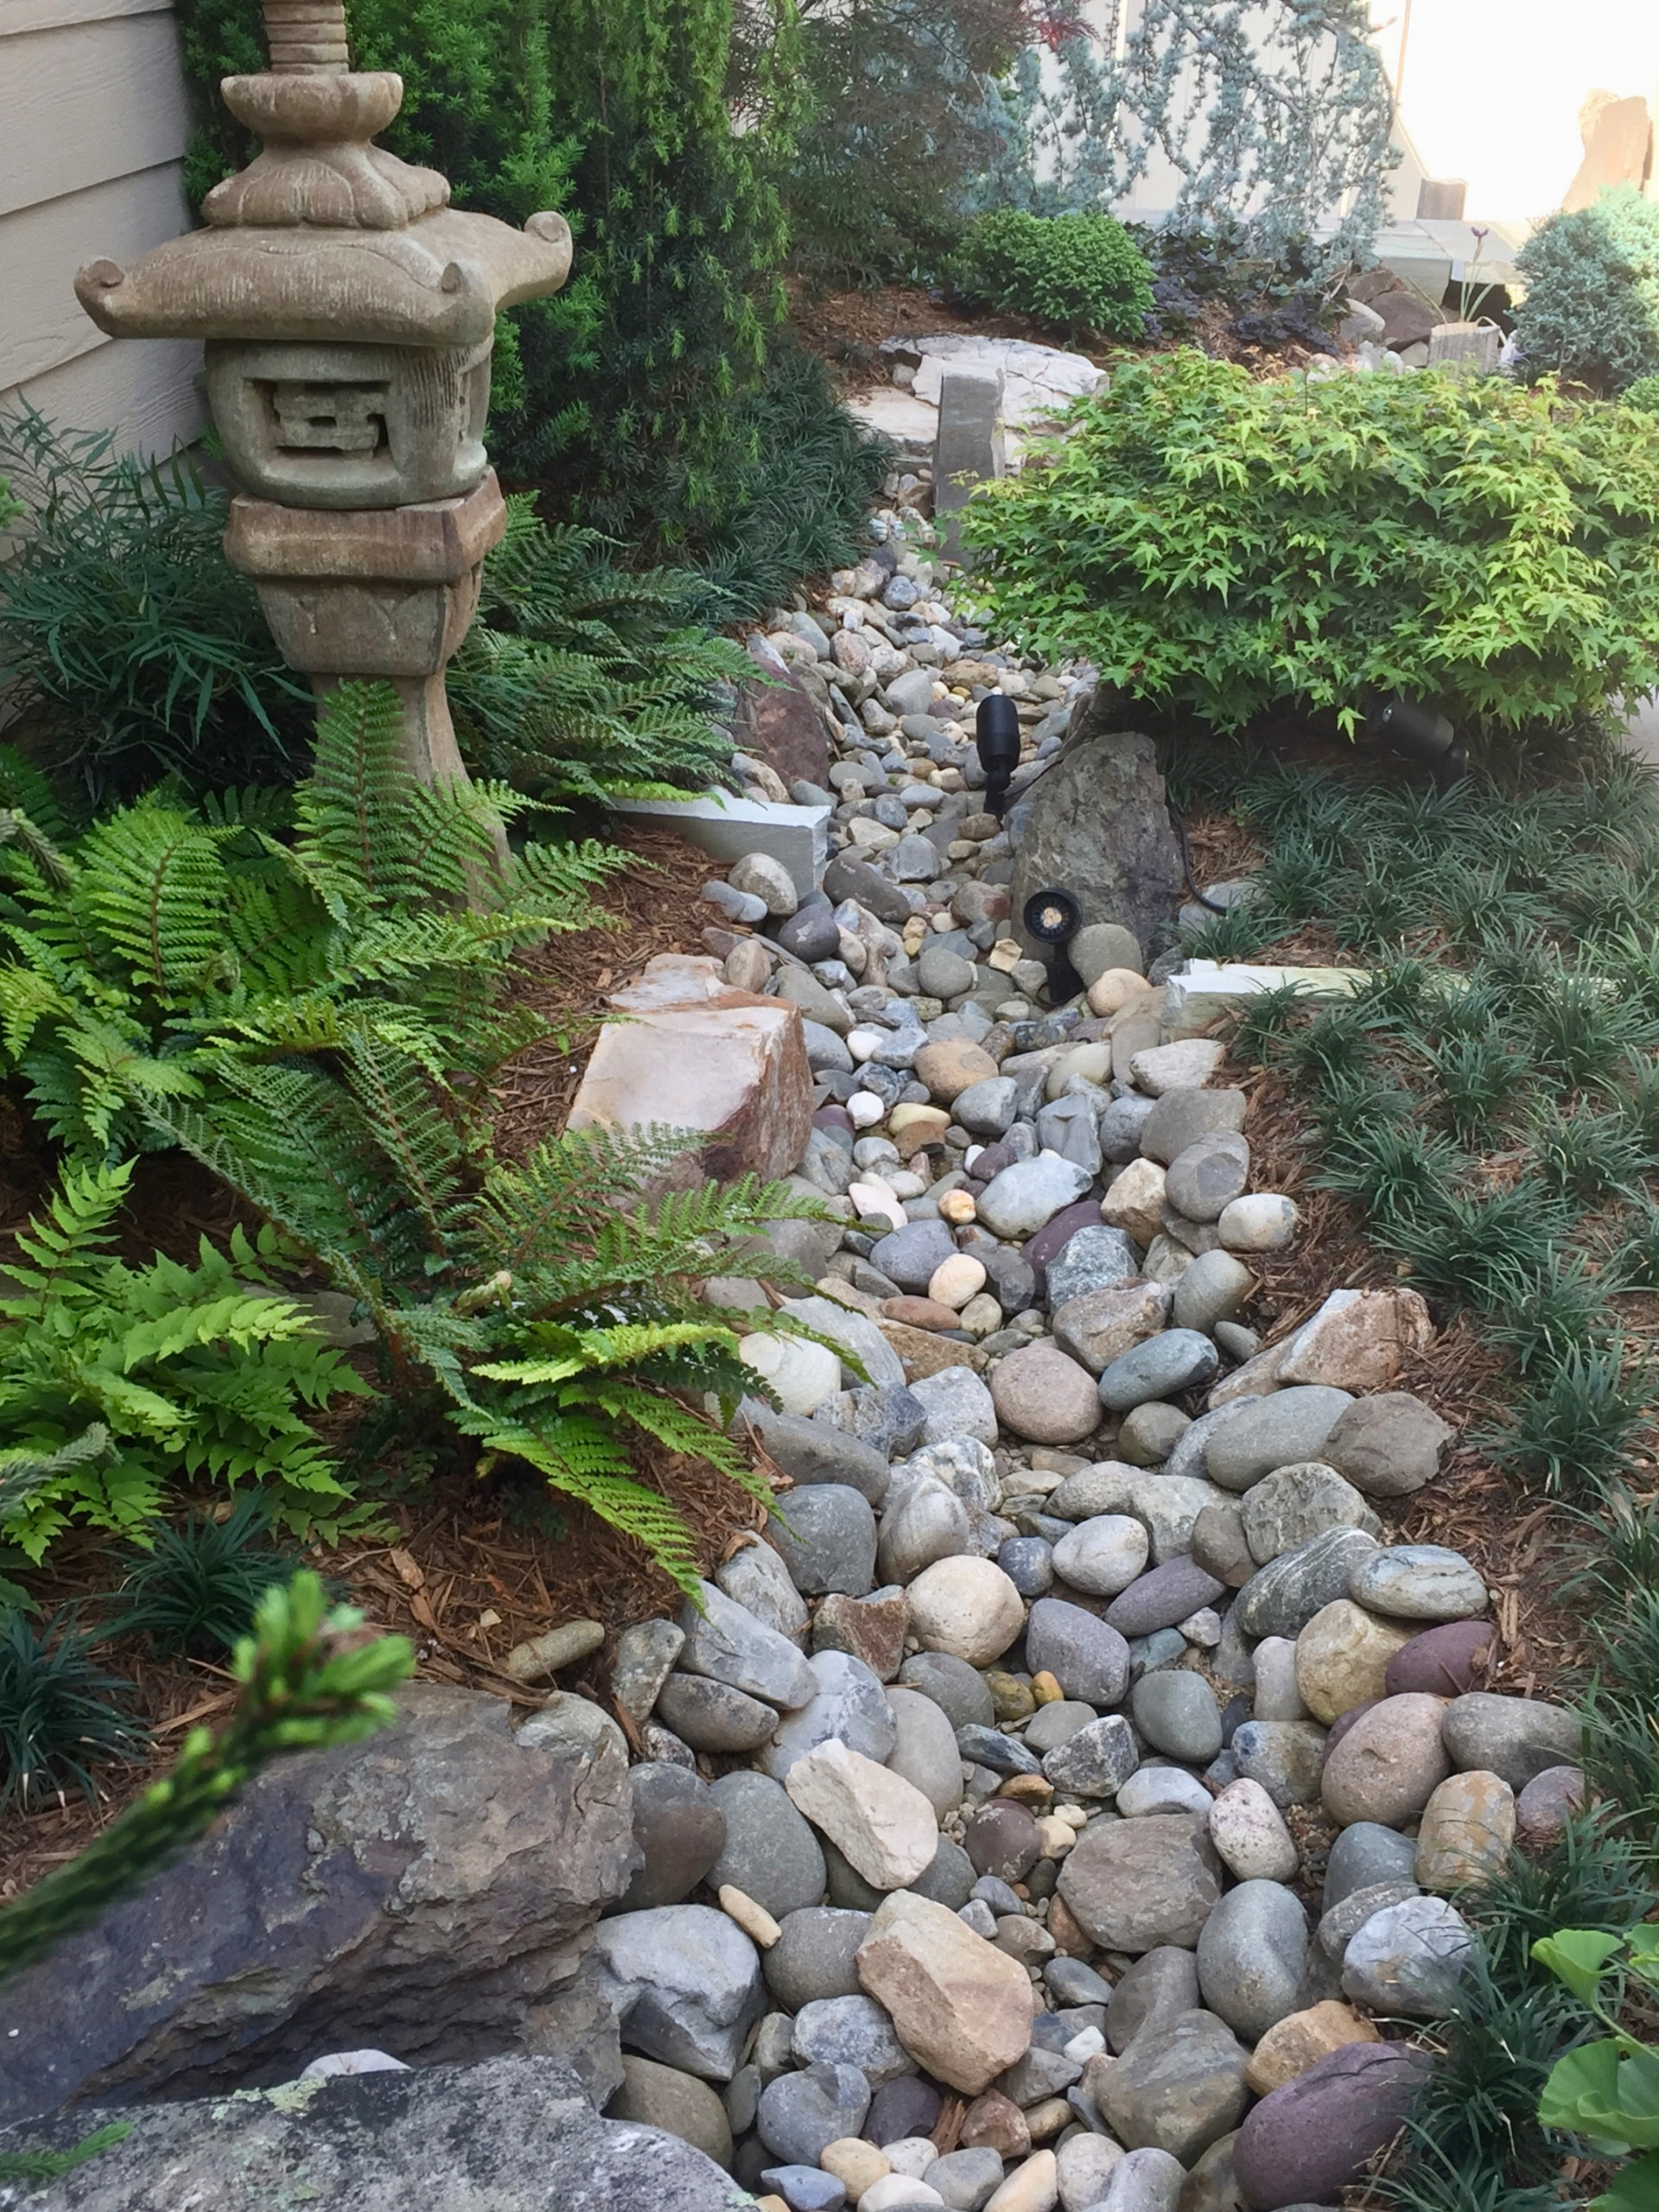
x=949 y=1876
x=811 y=1451
x=851 y=1706
x=727 y=1643
x=850 y=2031
x=1087 y=1658
x=1251 y=1955
x=516 y=2133
x=1389 y=1444
x=714 y=1717
x=887 y=1416
x=685 y=1983
x=1097 y=825
x=1121 y=1126
x=1160 y=1984
x=1169 y=1594
x=771 y=1853
x=1069 y=1981
x=902 y=2109
x=1177 y=1714
x=826 y=1533
x=1285 y=1595
x=1364 y=1855
x=1278 y=1431
x=1209 y=1175
x=1164 y=1365
x=1284 y=1756
x=1517 y=1738
x=350 y=1898
x=801 y=2114
x=956 y=1689
x=845 y=878
x=1177 y=2087
x=1028 y=1562
x=1134 y=1884
x=909 y=1255
x=678 y=1828
x=813 y=1956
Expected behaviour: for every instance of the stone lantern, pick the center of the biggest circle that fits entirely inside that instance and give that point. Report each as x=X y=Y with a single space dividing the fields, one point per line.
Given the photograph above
x=348 y=313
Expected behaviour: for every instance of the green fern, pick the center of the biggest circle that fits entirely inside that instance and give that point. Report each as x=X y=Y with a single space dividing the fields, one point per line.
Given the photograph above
x=115 y=1380
x=366 y=913
x=583 y=681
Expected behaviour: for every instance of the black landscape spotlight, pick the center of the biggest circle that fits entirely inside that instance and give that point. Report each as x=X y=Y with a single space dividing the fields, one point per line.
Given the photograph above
x=1053 y=917
x=1420 y=733
x=996 y=731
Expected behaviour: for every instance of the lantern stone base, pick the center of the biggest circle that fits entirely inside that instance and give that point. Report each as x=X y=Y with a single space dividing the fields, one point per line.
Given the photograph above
x=384 y=593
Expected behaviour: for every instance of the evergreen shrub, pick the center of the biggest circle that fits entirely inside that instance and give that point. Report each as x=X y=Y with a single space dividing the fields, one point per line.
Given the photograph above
x=624 y=396
x=1223 y=547
x=1083 y=273
x=1592 y=309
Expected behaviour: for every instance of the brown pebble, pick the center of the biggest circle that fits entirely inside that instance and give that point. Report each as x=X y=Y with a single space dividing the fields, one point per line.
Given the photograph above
x=920 y=1313
x=995 y=2122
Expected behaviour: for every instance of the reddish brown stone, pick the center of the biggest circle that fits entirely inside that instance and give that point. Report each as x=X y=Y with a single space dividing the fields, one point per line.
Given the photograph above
x=778 y=722
x=870 y=1628
x=1445 y=1661
x=995 y=2122
x=920 y=1313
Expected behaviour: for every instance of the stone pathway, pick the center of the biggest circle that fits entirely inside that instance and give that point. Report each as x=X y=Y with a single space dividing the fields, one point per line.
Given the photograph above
x=983 y=1809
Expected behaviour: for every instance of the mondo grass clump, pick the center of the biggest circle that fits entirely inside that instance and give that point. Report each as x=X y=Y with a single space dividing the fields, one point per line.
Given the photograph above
x=1488 y=1102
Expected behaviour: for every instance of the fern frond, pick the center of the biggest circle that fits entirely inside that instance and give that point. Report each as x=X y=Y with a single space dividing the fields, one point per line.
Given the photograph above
x=152 y=880
x=25 y=1470
x=63 y=1246
x=581 y=1458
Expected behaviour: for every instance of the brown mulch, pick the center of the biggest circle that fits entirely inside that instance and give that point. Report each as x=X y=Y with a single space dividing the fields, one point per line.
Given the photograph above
x=650 y=908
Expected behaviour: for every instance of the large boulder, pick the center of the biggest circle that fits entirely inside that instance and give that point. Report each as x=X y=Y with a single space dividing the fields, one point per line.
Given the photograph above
x=515 y=2134
x=430 y=1892
x=1097 y=825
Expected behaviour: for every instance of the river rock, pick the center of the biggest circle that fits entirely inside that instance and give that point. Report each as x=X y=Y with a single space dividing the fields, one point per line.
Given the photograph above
x=1083 y=2166
x=727 y=1643
x=1163 y=1790
x=662 y=2097
x=1515 y=1736
x=1263 y=1222
x=644 y=1657
x=678 y=1829
x=1043 y=1397
x=1091 y=1492
x=1548 y=1802
x=912 y=1256
x=1098 y=1326
x=826 y=1535
x=758 y=1578
x=1358 y=1340
x=1095 y=1761
x=1251 y=1954
x=924 y=1522
x=1168 y=1594
x=1088 y=1658
x=1017 y=1202
x=1177 y=2087
x=1388 y=1763
x=1280 y=1431
x=956 y=1403
x=962 y=2008
x=1444 y=1661
x=1212 y=1290
x=850 y=2031
x=1170 y=1506
x=801 y=2114
x=684 y=1980
x=881 y=1823
x=1155 y=1990
x=1292 y=2045
x=955 y=1687
x=1103 y=1556
x=770 y=1853
x=1364 y=1854
x=1419 y=1582
x=1181 y=1118
x=1305 y=2143
x=1342 y=1658
x=1293 y=1504
x=1145 y=2181
x=1218 y=1542
x=1388 y=1445
x=1177 y=1714
x=851 y=1706
x=925 y=1749
x=1409 y=1958
x=1162 y=1367
x=1249 y=1834
x=1466 y=1832
x=1283 y=1597
x=1002 y=1840
x=967 y=1607
x=1284 y=1756
x=813 y=1957
x=1133 y=1885
x=714 y=1717
x=1093 y=1258
x=869 y=1629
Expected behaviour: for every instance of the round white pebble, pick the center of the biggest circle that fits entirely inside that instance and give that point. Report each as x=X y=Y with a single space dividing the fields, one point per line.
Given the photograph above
x=866 y=1110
